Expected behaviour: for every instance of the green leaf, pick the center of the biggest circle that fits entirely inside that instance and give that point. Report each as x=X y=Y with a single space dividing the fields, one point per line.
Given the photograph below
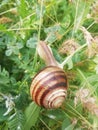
x=57 y=55
x=5 y=127
x=15 y=50
x=31 y=113
x=70 y=64
x=23 y=8
x=4 y=2
x=22 y=100
x=19 y=45
x=52 y=29
x=2 y=27
x=32 y=42
x=55 y=114
x=2 y=111
x=4 y=78
x=51 y=33
x=82 y=9
x=40 y=13
x=96 y=68
x=8 y=52
x=16 y=121
x=67 y=125
x=51 y=38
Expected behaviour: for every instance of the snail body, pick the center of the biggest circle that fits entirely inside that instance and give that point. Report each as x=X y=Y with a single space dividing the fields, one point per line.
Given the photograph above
x=49 y=86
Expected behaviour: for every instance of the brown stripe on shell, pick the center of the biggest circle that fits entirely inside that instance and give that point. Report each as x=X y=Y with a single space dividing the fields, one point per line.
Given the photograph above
x=43 y=74
x=56 y=76
x=50 y=80
x=51 y=103
x=45 y=78
x=58 y=92
x=47 y=85
x=55 y=94
x=42 y=89
x=58 y=85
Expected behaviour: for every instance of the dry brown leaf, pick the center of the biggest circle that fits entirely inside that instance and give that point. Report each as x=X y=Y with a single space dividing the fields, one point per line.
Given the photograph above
x=91 y=42
x=5 y=20
x=94 y=10
x=74 y=121
x=81 y=95
x=14 y=11
x=71 y=1
x=87 y=101
x=71 y=75
x=92 y=107
x=68 y=47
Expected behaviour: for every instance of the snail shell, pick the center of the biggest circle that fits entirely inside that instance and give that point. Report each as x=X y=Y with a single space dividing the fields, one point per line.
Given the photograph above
x=49 y=87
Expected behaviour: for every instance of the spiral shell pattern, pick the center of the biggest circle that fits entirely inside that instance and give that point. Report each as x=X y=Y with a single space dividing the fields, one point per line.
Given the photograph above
x=49 y=87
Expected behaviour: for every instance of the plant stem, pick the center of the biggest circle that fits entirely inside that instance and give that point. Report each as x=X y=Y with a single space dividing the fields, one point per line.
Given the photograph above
x=70 y=56
x=40 y=23
x=80 y=116
x=45 y=124
x=7 y=11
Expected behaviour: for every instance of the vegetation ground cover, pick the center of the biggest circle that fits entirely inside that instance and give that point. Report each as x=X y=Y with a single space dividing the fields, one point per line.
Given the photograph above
x=70 y=28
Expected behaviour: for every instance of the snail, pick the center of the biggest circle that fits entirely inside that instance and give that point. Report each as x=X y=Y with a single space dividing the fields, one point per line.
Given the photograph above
x=49 y=86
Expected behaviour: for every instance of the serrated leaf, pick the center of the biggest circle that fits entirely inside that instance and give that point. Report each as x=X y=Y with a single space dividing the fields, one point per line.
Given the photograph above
x=16 y=121
x=2 y=111
x=23 y=8
x=31 y=113
x=4 y=78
